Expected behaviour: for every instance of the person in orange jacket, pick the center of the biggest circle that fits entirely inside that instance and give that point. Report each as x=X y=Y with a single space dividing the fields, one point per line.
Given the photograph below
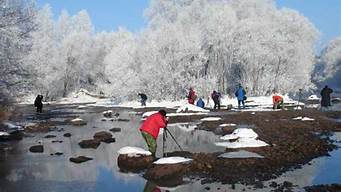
x=151 y=127
x=277 y=101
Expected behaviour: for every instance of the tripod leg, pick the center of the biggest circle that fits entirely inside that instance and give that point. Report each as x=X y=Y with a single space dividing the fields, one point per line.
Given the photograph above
x=174 y=139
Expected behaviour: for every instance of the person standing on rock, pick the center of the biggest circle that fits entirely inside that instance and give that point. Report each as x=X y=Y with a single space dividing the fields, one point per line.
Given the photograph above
x=151 y=127
x=241 y=96
x=325 y=101
x=38 y=102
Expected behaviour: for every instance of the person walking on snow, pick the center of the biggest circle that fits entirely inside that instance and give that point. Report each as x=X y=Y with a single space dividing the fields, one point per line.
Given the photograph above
x=216 y=99
x=277 y=101
x=38 y=102
x=191 y=96
x=240 y=94
x=200 y=103
x=143 y=98
x=151 y=127
x=325 y=93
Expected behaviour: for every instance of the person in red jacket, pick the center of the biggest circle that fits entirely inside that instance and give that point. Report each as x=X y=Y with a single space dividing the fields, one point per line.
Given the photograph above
x=277 y=101
x=191 y=96
x=151 y=127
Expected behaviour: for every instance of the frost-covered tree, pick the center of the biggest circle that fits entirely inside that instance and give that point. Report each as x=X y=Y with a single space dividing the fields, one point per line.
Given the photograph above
x=15 y=26
x=120 y=69
x=249 y=42
x=328 y=69
x=205 y=44
x=42 y=60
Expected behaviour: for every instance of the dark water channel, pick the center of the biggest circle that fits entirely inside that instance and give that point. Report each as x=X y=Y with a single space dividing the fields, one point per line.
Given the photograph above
x=21 y=170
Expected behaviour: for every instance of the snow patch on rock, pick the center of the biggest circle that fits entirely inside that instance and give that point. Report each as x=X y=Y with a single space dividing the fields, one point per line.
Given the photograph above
x=303 y=119
x=211 y=119
x=133 y=151
x=228 y=125
x=77 y=120
x=11 y=125
x=313 y=98
x=3 y=133
x=172 y=160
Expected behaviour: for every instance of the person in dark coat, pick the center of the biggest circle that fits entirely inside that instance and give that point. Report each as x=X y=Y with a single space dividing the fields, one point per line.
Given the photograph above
x=143 y=99
x=241 y=96
x=325 y=93
x=38 y=102
x=216 y=99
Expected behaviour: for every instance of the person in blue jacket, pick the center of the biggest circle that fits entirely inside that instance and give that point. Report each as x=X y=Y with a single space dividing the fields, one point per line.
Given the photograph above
x=200 y=103
x=240 y=94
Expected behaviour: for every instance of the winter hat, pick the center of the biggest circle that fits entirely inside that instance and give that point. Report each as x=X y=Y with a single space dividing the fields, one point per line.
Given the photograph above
x=163 y=112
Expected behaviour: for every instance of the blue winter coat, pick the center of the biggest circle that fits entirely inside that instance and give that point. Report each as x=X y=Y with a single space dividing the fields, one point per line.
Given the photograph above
x=200 y=103
x=240 y=94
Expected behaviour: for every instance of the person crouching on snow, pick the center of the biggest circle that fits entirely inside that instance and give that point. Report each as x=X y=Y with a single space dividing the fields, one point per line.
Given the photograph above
x=277 y=101
x=151 y=127
x=200 y=103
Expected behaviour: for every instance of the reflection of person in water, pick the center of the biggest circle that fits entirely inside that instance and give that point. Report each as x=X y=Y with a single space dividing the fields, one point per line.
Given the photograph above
x=151 y=187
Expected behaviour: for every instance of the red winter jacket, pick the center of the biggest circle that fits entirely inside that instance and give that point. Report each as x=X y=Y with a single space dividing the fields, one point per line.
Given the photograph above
x=153 y=124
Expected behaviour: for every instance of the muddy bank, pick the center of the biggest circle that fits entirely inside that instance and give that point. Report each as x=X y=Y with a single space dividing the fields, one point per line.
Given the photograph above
x=291 y=144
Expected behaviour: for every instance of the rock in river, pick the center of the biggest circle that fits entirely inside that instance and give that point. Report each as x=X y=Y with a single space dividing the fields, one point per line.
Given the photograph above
x=37 y=149
x=80 y=159
x=137 y=163
x=166 y=171
x=115 y=129
x=103 y=136
x=67 y=135
x=78 y=122
x=89 y=143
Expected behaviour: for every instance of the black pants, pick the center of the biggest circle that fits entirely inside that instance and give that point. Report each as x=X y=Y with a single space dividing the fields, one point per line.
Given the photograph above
x=143 y=102
x=216 y=104
x=40 y=108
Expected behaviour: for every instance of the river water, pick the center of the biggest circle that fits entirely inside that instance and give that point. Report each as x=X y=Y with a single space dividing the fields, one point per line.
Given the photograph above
x=21 y=170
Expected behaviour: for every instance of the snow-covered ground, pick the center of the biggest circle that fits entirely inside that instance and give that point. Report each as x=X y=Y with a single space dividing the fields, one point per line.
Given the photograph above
x=260 y=103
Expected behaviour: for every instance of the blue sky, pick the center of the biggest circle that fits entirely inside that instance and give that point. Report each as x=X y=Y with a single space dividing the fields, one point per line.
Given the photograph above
x=110 y=14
